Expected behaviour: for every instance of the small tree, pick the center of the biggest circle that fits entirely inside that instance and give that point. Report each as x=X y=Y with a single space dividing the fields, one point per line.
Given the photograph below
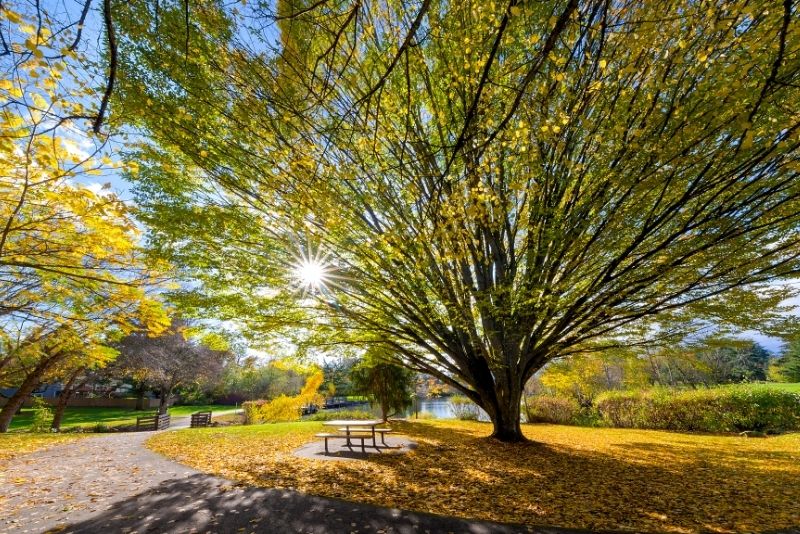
x=169 y=361
x=389 y=385
x=789 y=363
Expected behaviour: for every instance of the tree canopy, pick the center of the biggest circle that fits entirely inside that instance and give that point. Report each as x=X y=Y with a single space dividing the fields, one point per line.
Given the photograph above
x=481 y=187
x=486 y=186
x=169 y=360
x=73 y=274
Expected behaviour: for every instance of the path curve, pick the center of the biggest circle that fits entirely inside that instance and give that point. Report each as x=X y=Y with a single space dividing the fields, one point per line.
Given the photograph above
x=113 y=483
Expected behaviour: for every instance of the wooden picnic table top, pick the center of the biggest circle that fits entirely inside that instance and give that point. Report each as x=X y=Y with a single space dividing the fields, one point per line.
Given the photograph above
x=353 y=422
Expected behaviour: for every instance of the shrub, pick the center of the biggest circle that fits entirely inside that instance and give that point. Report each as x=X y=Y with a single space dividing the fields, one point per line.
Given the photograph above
x=463 y=408
x=551 y=409
x=328 y=415
x=725 y=409
x=279 y=409
x=42 y=415
x=621 y=409
x=283 y=408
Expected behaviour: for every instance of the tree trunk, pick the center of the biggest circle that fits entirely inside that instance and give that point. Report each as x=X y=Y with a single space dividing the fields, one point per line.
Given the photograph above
x=63 y=400
x=58 y=413
x=506 y=424
x=15 y=402
x=31 y=382
x=162 y=401
x=140 y=398
x=504 y=410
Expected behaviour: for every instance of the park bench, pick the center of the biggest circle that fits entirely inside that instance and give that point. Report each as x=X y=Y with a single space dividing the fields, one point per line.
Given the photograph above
x=326 y=436
x=200 y=419
x=152 y=422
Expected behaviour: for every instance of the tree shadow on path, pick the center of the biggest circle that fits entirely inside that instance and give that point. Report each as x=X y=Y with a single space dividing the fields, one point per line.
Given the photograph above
x=201 y=503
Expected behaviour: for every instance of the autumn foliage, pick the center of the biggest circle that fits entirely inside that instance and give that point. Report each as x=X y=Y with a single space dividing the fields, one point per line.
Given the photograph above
x=492 y=185
x=285 y=408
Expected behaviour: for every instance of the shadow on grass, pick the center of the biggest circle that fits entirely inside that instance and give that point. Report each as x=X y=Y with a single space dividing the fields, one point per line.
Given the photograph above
x=574 y=477
x=646 y=486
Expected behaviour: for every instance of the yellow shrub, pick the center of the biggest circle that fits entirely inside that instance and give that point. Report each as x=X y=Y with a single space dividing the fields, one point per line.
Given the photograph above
x=284 y=408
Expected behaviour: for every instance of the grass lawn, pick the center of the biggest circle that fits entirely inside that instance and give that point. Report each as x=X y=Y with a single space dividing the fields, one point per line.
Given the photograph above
x=570 y=477
x=18 y=443
x=89 y=417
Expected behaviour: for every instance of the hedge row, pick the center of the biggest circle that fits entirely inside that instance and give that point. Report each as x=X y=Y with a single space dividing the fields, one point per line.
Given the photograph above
x=725 y=409
x=330 y=415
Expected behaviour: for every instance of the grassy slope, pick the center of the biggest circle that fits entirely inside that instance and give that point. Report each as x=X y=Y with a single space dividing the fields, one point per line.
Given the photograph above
x=88 y=417
x=571 y=477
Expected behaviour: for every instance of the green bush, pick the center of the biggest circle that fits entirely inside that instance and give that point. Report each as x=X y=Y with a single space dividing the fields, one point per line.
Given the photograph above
x=464 y=409
x=42 y=415
x=724 y=409
x=551 y=409
x=328 y=415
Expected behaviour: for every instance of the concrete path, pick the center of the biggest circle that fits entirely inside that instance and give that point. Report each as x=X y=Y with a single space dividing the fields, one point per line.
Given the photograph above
x=112 y=483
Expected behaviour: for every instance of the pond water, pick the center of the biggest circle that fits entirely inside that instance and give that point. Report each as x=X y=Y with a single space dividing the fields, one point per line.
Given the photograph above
x=438 y=408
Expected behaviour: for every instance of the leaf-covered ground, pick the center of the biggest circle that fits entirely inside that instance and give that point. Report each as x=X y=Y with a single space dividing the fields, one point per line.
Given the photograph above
x=570 y=476
x=15 y=444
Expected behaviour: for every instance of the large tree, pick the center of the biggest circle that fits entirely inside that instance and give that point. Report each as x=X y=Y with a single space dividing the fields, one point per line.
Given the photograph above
x=487 y=186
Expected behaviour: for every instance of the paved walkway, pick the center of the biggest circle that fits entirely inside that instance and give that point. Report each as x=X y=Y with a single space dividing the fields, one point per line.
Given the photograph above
x=112 y=483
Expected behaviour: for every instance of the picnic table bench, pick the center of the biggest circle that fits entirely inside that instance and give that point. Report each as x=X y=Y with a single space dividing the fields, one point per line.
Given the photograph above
x=351 y=430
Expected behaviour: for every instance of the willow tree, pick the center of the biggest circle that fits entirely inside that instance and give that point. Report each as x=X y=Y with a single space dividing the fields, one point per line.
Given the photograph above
x=482 y=186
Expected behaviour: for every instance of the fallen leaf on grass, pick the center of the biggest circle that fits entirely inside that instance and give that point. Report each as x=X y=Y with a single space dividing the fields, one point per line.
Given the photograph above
x=569 y=477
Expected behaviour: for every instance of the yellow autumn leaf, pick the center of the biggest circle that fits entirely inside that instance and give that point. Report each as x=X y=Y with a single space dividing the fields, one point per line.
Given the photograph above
x=747 y=142
x=12 y=16
x=39 y=101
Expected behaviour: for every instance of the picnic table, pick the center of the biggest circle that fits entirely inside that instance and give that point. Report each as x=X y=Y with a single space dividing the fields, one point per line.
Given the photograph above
x=356 y=429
